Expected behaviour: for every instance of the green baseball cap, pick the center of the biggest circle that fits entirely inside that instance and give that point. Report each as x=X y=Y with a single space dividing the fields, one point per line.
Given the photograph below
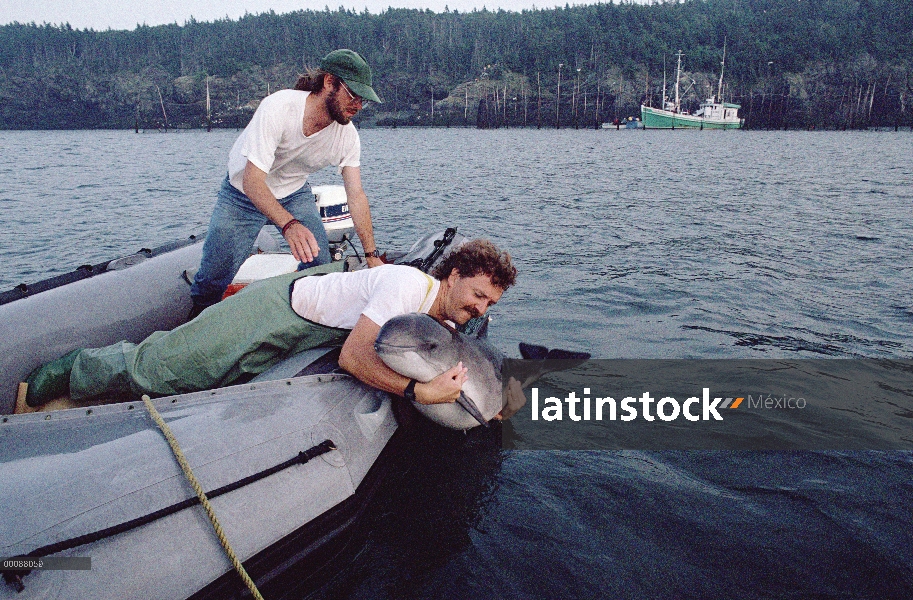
x=349 y=66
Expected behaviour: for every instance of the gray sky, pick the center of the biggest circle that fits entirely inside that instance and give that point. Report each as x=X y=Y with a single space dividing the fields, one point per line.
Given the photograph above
x=126 y=14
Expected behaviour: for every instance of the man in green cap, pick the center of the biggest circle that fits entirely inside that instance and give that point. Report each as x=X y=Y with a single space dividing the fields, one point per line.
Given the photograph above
x=292 y=134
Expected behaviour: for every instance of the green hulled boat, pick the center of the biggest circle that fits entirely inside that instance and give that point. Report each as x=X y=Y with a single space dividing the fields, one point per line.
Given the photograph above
x=713 y=113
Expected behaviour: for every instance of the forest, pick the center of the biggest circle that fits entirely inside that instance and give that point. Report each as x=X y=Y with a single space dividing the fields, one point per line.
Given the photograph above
x=790 y=64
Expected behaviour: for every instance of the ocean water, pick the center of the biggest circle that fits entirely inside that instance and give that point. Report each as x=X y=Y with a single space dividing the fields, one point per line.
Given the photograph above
x=630 y=244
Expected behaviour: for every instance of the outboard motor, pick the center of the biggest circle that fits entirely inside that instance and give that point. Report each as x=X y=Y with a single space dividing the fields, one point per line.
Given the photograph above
x=333 y=205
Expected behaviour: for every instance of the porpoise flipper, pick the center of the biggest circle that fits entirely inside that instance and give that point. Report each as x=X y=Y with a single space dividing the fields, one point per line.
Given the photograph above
x=470 y=407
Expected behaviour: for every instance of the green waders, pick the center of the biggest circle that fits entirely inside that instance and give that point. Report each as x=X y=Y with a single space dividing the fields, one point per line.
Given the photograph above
x=244 y=334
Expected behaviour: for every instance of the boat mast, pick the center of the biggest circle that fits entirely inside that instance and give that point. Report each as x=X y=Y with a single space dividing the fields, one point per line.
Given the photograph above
x=663 y=105
x=678 y=72
x=208 y=109
x=719 y=93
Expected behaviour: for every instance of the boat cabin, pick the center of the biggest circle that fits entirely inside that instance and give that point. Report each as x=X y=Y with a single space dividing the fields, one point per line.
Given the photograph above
x=718 y=111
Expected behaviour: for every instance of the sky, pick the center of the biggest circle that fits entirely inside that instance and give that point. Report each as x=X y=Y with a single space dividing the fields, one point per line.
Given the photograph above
x=127 y=14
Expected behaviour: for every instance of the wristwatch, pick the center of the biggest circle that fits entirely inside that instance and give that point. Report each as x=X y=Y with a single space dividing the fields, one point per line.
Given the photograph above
x=372 y=254
x=409 y=392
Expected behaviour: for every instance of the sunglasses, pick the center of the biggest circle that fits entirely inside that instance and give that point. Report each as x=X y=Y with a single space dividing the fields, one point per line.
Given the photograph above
x=352 y=96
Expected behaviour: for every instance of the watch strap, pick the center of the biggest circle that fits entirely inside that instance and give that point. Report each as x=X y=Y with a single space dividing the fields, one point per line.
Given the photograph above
x=409 y=392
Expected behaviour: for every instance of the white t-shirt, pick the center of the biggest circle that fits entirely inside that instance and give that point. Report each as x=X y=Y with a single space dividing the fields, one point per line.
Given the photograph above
x=381 y=293
x=275 y=143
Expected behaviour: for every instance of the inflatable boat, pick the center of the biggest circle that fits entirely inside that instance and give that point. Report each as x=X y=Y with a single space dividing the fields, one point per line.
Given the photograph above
x=287 y=458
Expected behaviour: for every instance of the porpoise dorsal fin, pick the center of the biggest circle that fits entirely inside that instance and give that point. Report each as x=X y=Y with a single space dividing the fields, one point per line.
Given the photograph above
x=532 y=351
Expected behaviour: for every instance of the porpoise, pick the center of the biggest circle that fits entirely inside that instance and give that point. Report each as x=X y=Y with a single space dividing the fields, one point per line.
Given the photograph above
x=421 y=348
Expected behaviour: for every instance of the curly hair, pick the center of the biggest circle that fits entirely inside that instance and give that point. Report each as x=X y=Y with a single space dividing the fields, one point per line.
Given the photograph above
x=479 y=257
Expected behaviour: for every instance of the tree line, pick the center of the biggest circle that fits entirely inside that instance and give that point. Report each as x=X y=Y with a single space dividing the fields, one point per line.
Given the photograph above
x=789 y=63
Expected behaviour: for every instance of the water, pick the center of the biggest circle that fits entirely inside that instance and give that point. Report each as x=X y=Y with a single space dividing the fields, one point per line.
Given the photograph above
x=630 y=244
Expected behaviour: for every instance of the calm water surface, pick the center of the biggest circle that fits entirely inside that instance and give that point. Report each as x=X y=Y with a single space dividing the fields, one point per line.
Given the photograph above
x=630 y=244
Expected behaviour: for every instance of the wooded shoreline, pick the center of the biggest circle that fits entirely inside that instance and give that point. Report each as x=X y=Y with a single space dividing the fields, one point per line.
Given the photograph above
x=791 y=64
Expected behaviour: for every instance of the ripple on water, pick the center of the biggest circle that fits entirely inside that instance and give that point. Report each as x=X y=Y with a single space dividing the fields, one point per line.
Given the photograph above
x=606 y=229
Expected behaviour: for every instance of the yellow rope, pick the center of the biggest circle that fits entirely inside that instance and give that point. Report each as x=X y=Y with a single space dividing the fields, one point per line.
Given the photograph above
x=185 y=466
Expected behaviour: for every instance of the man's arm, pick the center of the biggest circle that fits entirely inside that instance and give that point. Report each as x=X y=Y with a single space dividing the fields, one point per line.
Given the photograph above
x=300 y=239
x=359 y=358
x=360 y=211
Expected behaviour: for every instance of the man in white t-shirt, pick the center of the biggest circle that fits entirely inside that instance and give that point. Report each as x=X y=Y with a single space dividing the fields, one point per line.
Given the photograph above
x=276 y=318
x=293 y=134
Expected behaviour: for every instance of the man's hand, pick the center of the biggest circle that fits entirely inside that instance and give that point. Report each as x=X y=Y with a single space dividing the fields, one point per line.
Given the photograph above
x=300 y=239
x=515 y=400
x=444 y=388
x=302 y=242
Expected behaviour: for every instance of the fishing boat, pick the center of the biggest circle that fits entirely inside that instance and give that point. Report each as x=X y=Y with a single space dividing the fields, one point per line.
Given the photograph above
x=288 y=459
x=712 y=114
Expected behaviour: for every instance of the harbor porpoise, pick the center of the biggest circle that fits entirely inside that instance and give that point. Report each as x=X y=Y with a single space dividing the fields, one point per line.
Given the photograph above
x=419 y=347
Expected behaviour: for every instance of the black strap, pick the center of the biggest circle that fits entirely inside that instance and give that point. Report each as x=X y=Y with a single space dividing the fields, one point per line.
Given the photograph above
x=14 y=578
x=409 y=392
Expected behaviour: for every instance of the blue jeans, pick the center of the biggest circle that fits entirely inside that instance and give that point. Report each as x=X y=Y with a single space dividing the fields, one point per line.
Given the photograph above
x=233 y=229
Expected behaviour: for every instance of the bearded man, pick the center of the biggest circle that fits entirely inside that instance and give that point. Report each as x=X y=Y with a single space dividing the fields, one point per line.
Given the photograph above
x=292 y=134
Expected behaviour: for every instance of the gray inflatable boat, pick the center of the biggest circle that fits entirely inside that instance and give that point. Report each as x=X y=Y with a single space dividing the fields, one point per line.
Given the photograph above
x=95 y=470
